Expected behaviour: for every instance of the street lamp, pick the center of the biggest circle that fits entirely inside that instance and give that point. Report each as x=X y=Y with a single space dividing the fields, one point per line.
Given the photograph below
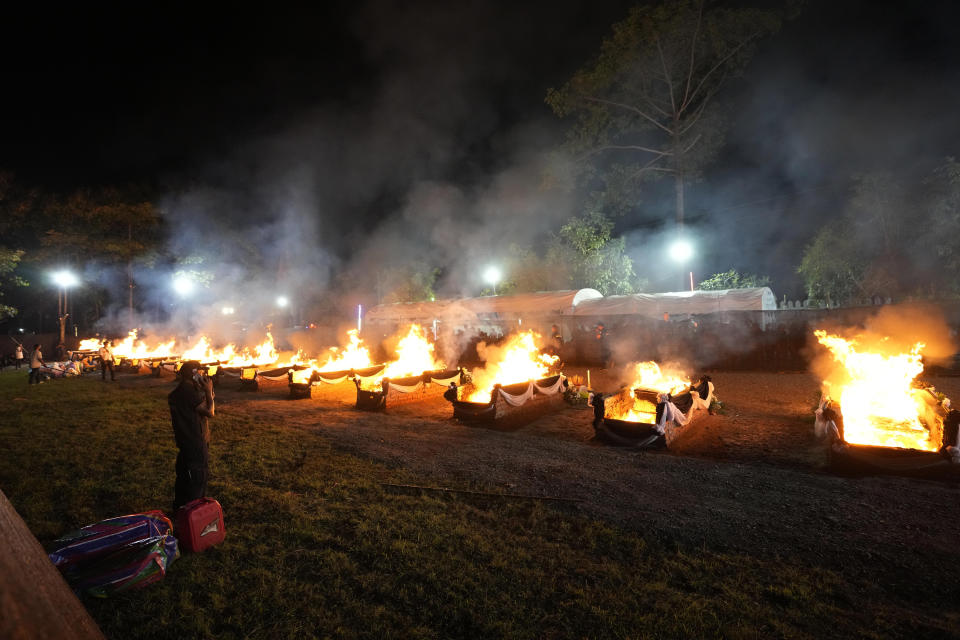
x=681 y=251
x=64 y=280
x=492 y=276
x=282 y=301
x=183 y=285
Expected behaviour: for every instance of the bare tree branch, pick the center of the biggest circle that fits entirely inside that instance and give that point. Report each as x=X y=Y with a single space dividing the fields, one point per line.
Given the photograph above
x=717 y=66
x=631 y=147
x=693 y=52
x=666 y=74
x=629 y=107
x=695 y=117
x=649 y=167
x=692 y=144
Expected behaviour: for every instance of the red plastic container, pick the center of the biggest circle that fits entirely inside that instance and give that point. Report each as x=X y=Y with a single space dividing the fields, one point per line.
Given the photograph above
x=199 y=524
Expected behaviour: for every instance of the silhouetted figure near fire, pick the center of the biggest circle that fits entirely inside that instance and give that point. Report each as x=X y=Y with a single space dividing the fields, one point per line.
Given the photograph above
x=451 y=393
x=191 y=404
x=600 y=335
x=598 y=411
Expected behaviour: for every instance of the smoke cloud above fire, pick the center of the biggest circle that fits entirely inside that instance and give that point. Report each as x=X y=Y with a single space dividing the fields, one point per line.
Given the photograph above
x=891 y=331
x=439 y=156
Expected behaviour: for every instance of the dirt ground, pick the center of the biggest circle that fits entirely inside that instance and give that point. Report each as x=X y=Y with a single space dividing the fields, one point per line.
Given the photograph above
x=751 y=481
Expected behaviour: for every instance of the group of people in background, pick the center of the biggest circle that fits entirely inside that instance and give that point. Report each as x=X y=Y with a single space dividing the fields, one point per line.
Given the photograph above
x=35 y=360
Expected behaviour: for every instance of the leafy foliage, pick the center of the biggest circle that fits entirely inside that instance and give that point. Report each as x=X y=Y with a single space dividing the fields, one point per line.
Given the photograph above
x=588 y=256
x=894 y=239
x=733 y=279
x=410 y=282
x=9 y=259
x=831 y=268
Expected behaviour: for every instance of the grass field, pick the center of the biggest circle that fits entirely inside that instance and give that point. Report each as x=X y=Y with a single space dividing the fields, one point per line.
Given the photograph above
x=318 y=546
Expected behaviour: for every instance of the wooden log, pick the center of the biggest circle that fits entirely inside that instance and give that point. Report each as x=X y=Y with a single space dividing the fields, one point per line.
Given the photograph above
x=35 y=601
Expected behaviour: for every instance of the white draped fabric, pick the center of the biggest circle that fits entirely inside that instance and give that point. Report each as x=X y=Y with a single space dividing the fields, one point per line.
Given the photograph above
x=445 y=382
x=532 y=387
x=326 y=380
x=671 y=415
x=552 y=389
x=405 y=388
x=282 y=376
x=369 y=381
x=517 y=400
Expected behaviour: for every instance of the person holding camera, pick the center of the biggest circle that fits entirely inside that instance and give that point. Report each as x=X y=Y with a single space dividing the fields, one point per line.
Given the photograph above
x=191 y=404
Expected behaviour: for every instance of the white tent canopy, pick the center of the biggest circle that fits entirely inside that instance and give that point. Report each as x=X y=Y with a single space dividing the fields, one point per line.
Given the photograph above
x=541 y=303
x=680 y=302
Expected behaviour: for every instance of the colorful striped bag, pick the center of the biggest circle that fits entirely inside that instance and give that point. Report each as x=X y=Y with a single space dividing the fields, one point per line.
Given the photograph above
x=116 y=554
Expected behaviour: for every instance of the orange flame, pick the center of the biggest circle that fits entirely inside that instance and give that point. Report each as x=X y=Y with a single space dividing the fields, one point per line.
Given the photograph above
x=262 y=354
x=880 y=406
x=89 y=344
x=414 y=355
x=649 y=376
x=519 y=360
x=131 y=347
x=353 y=356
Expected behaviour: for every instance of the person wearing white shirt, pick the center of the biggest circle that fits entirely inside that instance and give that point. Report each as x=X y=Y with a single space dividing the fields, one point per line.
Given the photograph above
x=106 y=361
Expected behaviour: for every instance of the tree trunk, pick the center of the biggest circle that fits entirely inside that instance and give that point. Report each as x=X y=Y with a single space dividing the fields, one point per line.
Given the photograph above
x=130 y=274
x=679 y=186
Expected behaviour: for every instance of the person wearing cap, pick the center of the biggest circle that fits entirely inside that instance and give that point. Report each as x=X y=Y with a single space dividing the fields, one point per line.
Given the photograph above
x=191 y=405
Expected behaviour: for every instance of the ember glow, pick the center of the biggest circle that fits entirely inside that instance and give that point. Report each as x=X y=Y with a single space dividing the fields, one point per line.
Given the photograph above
x=519 y=360
x=648 y=376
x=879 y=403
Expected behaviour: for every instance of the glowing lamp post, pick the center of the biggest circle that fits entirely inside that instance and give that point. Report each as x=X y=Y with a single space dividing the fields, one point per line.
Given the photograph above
x=182 y=285
x=492 y=277
x=282 y=302
x=64 y=280
x=681 y=252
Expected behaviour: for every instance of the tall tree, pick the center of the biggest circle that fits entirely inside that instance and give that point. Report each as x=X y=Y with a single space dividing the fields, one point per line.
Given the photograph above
x=942 y=232
x=880 y=246
x=646 y=105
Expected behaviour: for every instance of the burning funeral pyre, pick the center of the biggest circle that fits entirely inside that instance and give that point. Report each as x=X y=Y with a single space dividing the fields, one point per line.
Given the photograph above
x=414 y=375
x=516 y=382
x=641 y=413
x=875 y=413
x=341 y=365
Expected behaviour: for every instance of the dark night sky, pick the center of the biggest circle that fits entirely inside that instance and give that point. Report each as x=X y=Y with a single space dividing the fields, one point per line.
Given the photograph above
x=366 y=103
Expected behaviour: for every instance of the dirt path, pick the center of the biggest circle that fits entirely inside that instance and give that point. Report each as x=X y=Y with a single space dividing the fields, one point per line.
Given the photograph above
x=749 y=481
